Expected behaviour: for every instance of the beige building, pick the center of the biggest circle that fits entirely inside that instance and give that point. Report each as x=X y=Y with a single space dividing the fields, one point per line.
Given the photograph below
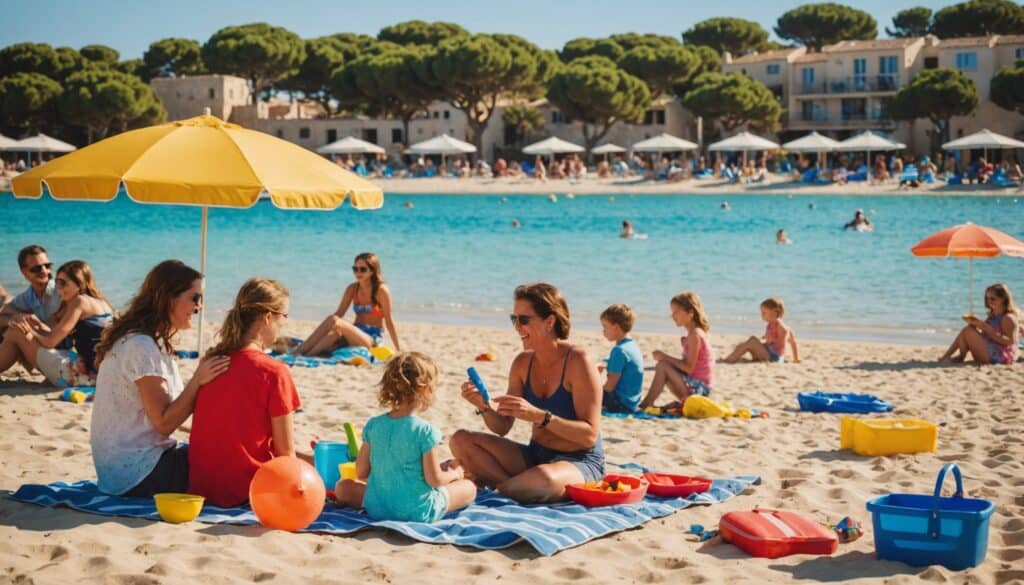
x=842 y=90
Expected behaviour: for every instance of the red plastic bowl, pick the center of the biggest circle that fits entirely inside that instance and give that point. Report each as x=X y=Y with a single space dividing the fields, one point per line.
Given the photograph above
x=591 y=497
x=666 y=485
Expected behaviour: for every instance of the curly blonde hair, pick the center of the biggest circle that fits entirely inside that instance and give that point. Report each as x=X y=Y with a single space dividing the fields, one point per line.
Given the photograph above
x=410 y=377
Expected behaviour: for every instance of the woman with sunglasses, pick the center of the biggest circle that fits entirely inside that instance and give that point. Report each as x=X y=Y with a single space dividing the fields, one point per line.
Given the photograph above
x=140 y=398
x=83 y=315
x=992 y=341
x=553 y=386
x=244 y=418
x=371 y=302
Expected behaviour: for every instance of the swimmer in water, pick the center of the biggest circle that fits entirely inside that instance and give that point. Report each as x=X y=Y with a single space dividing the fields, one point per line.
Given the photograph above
x=627 y=229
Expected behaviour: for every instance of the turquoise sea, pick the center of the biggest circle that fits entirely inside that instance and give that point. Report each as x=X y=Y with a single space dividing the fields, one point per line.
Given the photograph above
x=456 y=259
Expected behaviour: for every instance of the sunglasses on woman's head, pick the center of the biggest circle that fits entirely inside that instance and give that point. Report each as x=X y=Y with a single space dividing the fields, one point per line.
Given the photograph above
x=521 y=319
x=39 y=267
x=360 y=269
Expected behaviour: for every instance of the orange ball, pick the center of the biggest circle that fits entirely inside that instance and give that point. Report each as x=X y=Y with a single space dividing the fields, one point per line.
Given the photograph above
x=287 y=494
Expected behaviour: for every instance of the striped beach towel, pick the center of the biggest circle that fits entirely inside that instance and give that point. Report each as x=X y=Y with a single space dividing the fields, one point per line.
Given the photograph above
x=491 y=522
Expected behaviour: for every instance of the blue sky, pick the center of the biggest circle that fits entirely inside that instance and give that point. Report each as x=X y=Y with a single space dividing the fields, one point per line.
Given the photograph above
x=130 y=25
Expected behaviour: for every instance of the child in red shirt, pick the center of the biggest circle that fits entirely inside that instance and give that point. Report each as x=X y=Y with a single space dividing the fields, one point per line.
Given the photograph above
x=244 y=417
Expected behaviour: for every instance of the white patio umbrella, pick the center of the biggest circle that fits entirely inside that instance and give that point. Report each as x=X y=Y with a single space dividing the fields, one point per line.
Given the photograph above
x=351 y=145
x=43 y=143
x=813 y=142
x=983 y=139
x=869 y=142
x=744 y=141
x=663 y=143
x=607 y=149
x=443 y=145
x=7 y=143
x=549 y=147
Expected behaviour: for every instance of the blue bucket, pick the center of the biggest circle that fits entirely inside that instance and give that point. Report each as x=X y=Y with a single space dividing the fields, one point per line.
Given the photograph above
x=326 y=457
x=932 y=530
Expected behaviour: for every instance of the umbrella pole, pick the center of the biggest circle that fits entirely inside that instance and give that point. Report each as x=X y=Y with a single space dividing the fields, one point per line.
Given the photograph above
x=202 y=269
x=970 y=288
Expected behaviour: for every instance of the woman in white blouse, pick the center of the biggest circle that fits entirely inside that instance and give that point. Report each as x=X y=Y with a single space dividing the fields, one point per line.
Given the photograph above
x=140 y=399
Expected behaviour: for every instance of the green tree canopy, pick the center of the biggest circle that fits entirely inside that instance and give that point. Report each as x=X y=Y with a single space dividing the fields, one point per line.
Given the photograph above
x=259 y=52
x=28 y=101
x=69 y=61
x=662 y=67
x=520 y=120
x=390 y=81
x=707 y=61
x=173 y=57
x=101 y=100
x=630 y=41
x=101 y=54
x=475 y=70
x=324 y=56
x=978 y=18
x=597 y=92
x=938 y=95
x=817 y=25
x=418 y=32
x=1007 y=90
x=134 y=67
x=912 y=22
x=584 y=47
x=736 y=35
x=734 y=100
x=29 y=58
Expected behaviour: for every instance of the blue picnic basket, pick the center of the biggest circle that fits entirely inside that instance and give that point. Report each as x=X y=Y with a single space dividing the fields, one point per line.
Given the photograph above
x=932 y=530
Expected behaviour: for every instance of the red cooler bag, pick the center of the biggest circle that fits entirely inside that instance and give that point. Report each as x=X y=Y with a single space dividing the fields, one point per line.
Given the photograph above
x=776 y=533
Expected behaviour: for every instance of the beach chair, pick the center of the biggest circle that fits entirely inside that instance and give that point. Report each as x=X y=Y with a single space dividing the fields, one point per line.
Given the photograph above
x=361 y=170
x=928 y=177
x=999 y=178
x=810 y=175
x=909 y=174
x=388 y=172
x=955 y=180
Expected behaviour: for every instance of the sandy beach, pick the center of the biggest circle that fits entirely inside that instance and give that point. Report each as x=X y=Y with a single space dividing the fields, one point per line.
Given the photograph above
x=796 y=454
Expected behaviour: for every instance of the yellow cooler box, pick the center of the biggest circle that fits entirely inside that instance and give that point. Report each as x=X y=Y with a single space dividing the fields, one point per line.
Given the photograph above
x=887 y=436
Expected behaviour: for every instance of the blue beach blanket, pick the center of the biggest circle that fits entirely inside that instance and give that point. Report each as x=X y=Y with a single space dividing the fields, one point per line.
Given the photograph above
x=339 y=356
x=491 y=522
x=640 y=415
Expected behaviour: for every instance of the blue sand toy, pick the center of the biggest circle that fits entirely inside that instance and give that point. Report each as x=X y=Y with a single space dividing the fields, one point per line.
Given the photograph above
x=841 y=402
x=479 y=383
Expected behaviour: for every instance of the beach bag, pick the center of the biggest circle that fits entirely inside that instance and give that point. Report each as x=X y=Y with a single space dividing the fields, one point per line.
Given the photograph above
x=772 y=534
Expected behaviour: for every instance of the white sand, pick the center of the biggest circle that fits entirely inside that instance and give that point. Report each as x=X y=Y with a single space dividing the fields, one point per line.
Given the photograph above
x=796 y=454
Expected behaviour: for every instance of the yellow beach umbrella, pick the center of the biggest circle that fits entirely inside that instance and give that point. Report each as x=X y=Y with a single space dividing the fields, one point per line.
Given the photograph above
x=202 y=161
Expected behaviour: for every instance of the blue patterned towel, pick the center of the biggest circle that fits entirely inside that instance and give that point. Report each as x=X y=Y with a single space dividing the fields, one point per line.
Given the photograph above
x=491 y=522
x=342 y=355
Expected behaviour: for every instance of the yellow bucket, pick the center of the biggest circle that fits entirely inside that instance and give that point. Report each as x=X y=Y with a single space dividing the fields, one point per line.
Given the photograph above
x=177 y=508
x=876 y=437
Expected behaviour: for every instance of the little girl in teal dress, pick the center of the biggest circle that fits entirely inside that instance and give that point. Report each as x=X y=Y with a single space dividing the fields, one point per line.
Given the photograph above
x=399 y=468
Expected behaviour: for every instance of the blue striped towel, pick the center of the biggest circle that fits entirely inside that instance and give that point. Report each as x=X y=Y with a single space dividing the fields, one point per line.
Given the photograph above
x=491 y=522
x=639 y=414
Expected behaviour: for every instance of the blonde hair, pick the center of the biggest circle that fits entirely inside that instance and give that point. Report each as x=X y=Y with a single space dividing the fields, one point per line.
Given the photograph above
x=547 y=300
x=621 y=315
x=1002 y=291
x=409 y=378
x=774 y=304
x=689 y=301
x=256 y=298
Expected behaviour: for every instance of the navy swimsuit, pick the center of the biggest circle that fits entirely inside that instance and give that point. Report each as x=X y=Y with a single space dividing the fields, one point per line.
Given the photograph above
x=589 y=461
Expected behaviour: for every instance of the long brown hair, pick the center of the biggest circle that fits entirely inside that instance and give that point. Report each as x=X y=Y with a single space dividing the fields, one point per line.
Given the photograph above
x=149 y=312
x=79 y=272
x=257 y=297
x=547 y=300
x=376 y=278
x=1003 y=292
x=689 y=301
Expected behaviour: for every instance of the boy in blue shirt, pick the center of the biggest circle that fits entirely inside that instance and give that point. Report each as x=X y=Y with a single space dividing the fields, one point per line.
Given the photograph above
x=625 y=377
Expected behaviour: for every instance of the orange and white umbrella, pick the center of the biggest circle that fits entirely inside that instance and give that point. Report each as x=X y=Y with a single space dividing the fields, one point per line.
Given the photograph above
x=969 y=241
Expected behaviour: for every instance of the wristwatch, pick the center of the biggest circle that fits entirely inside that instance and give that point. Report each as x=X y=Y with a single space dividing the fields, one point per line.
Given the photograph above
x=480 y=411
x=547 y=418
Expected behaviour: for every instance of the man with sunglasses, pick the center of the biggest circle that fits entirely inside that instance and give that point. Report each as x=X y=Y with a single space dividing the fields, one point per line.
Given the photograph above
x=40 y=300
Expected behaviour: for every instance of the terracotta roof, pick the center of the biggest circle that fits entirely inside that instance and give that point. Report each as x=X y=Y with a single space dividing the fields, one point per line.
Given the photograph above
x=1010 y=40
x=873 y=45
x=811 y=58
x=779 y=55
x=967 y=42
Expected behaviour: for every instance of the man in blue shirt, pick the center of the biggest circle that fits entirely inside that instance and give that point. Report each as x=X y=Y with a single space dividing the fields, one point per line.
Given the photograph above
x=37 y=304
x=625 y=377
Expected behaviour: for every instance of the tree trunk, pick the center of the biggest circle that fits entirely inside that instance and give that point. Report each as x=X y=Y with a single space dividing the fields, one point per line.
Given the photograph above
x=590 y=141
x=406 y=118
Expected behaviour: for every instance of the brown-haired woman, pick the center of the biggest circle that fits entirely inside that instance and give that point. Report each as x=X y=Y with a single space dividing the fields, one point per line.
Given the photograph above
x=140 y=398
x=371 y=302
x=83 y=315
x=244 y=417
x=555 y=387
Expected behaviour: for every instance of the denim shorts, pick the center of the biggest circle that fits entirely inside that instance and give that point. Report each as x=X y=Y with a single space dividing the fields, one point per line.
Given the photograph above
x=375 y=333
x=590 y=461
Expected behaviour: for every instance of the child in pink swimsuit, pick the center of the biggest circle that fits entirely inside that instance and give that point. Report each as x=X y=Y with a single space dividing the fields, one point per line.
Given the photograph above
x=772 y=348
x=694 y=373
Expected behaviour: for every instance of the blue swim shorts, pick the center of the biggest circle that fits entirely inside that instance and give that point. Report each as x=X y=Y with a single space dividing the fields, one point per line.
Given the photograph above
x=590 y=461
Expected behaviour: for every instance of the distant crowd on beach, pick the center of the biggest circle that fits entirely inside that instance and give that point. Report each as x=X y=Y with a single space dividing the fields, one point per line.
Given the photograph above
x=62 y=325
x=906 y=171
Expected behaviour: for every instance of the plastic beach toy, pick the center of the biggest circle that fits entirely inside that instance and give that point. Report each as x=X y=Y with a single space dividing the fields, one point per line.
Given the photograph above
x=178 y=508
x=697 y=406
x=667 y=485
x=478 y=382
x=382 y=353
x=287 y=494
x=875 y=437
x=818 y=401
x=776 y=533
x=611 y=491
x=326 y=457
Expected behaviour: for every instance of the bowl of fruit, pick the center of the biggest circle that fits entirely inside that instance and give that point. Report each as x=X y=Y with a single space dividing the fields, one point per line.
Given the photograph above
x=613 y=490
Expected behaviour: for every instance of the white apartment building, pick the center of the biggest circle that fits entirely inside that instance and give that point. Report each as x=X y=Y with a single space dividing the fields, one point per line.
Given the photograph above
x=842 y=89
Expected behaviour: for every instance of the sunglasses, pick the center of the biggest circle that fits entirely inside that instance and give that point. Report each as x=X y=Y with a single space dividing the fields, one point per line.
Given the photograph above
x=521 y=319
x=39 y=267
x=360 y=269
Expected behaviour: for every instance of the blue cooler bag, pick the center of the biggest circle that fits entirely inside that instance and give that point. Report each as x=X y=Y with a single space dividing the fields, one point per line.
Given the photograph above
x=932 y=530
